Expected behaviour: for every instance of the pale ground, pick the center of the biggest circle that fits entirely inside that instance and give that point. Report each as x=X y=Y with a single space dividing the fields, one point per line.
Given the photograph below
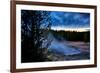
x=82 y=46
x=69 y=50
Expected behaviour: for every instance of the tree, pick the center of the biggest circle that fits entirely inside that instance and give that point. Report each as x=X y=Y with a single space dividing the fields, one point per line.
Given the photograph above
x=35 y=26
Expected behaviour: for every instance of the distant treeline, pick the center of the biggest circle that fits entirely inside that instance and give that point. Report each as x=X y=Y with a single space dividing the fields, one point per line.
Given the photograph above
x=72 y=35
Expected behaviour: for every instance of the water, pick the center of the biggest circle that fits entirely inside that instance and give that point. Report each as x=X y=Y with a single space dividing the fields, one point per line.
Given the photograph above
x=63 y=49
x=60 y=47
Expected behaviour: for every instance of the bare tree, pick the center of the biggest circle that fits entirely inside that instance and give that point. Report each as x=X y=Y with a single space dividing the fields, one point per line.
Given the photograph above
x=35 y=26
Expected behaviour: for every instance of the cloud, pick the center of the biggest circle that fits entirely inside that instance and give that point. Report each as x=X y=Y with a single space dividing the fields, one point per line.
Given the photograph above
x=70 y=19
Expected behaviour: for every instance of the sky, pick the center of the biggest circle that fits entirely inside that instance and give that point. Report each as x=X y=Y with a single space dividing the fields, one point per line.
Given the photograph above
x=67 y=20
x=70 y=20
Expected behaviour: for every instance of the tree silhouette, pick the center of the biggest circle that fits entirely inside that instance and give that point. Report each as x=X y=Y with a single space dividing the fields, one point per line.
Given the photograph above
x=35 y=26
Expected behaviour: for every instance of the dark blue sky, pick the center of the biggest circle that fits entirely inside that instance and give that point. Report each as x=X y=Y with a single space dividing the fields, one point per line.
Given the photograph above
x=70 y=19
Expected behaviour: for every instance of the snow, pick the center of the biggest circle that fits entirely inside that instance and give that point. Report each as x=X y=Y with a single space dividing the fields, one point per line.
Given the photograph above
x=60 y=46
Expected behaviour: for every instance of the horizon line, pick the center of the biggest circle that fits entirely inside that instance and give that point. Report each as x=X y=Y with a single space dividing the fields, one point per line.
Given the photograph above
x=70 y=29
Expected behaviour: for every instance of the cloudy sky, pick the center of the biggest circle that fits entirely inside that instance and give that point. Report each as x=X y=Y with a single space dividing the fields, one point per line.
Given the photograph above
x=70 y=19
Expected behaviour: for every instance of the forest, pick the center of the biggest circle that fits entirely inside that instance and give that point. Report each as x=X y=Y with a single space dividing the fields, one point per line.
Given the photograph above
x=72 y=35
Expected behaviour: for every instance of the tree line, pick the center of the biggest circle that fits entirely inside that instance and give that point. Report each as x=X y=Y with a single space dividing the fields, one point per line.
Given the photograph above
x=72 y=35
